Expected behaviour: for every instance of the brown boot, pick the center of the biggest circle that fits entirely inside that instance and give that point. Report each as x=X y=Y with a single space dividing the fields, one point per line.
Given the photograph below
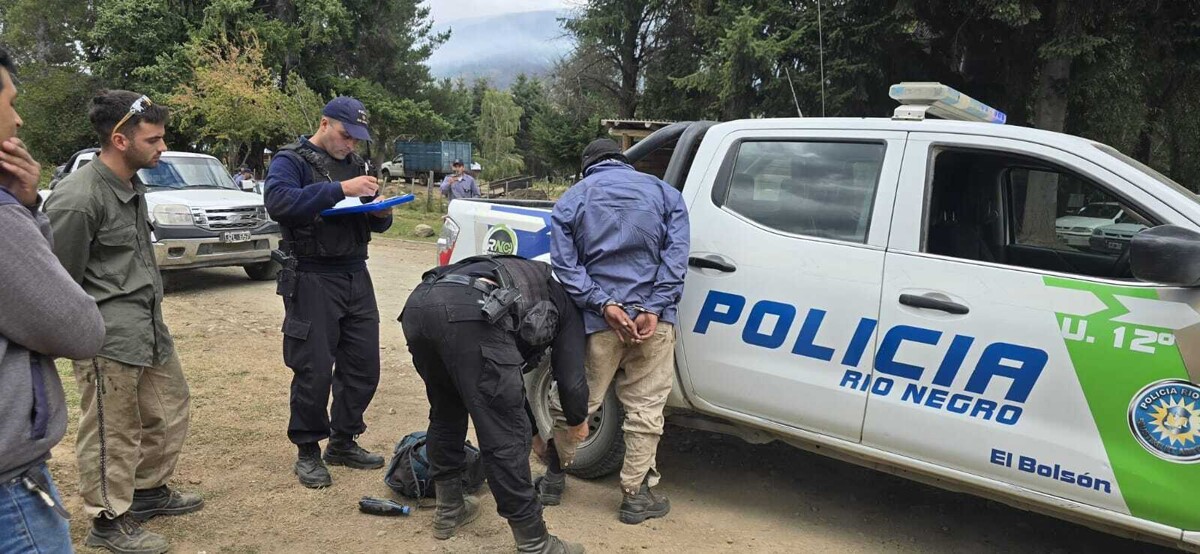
x=454 y=509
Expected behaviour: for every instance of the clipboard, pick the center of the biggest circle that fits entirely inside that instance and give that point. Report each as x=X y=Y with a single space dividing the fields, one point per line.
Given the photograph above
x=369 y=207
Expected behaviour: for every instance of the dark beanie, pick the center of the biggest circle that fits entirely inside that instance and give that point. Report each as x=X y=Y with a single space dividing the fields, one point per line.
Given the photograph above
x=599 y=150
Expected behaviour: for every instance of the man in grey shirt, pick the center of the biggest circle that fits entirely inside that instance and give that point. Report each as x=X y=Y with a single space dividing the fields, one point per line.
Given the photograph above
x=43 y=314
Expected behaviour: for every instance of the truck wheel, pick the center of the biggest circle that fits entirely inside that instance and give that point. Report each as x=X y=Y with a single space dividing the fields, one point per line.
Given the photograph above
x=603 y=452
x=386 y=177
x=263 y=271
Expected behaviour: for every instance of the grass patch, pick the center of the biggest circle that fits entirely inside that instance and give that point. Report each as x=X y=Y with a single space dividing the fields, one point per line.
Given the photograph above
x=406 y=217
x=66 y=372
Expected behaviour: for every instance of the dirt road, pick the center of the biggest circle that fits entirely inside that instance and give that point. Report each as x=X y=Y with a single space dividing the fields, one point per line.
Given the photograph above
x=727 y=496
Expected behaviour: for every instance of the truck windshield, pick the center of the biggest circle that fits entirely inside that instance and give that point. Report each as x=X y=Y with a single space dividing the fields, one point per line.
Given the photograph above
x=1147 y=170
x=186 y=172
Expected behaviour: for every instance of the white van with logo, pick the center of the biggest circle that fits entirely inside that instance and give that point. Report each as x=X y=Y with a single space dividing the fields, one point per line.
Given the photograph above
x=198 y=217
x=896 y=293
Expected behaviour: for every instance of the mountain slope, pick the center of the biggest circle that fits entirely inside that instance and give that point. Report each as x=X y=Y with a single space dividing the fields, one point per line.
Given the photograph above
x=501 y=47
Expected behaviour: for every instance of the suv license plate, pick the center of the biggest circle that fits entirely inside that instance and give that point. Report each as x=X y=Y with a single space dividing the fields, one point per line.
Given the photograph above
x=235 y=236
x=1115 y=245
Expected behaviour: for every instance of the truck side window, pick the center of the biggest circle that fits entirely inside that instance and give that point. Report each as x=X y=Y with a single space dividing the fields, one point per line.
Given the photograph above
x=1009 y=209
x=817 y=189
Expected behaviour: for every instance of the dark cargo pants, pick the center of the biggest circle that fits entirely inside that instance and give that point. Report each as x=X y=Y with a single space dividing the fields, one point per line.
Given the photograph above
x=331 y=342
x=471 y=367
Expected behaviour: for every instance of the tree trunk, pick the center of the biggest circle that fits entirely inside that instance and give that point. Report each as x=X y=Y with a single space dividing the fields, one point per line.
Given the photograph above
x=1049 y=113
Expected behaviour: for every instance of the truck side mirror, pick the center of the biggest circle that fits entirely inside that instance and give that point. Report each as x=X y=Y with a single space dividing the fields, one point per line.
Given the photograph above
x=1167 y=254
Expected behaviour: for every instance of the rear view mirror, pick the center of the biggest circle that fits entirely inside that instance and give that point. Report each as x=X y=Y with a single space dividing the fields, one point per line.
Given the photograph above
x=1167 y=254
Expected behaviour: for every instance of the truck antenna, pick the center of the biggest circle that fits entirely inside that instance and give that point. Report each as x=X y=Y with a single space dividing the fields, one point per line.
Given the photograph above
x=821 y=45
x=795 y=100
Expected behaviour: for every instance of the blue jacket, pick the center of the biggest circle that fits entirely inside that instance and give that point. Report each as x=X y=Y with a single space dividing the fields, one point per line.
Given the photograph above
x=295 y=197
x=621 y=236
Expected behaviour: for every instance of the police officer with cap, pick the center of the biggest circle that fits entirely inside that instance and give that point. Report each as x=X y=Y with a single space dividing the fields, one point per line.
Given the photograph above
x=331 y=318
x=471 y=328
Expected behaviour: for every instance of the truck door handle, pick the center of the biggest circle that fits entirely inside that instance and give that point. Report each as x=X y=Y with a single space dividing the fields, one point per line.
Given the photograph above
x=931 y=303
x=709 y=263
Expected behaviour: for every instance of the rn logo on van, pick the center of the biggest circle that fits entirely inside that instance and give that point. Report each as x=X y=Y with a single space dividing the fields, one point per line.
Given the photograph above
x=1016 y=365
x=500 y=240
x=1165 y=419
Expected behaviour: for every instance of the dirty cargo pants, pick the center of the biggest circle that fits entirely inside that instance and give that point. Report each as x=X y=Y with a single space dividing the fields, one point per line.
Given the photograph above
x=131 y=431
x=643 y=374
x=471 y=367
x=331 y=343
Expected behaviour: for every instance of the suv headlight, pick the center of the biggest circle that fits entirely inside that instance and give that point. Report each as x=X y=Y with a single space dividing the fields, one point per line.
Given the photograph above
x=176 y=215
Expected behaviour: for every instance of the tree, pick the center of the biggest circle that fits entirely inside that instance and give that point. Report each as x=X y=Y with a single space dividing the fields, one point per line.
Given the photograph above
x=394 y=118
x=570 y=120
x=623 y=36
x=234 y=105
x=530 y=96
x=452 y=100
x=499 y=121
x=136 y=44
x=33 y=38
x=53 y=104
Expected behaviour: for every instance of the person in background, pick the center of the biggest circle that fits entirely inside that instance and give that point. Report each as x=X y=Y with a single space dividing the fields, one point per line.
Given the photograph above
x=45 y=314
x=245 y=174
x=459 y=184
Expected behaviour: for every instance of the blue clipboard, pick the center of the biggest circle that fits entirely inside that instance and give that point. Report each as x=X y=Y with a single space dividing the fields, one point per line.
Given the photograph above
x=371 y=207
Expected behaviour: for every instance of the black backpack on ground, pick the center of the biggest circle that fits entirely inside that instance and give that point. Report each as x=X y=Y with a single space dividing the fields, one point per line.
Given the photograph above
x=408 y=472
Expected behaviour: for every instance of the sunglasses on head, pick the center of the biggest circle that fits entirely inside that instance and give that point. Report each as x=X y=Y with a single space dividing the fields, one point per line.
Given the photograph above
x=137 y=108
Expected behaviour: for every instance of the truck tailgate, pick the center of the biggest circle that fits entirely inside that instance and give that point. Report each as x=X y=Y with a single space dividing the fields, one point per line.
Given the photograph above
x=494 y=228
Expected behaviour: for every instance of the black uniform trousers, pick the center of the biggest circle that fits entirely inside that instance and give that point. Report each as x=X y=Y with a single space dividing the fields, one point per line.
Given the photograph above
x=471 y=367
x=331 y=342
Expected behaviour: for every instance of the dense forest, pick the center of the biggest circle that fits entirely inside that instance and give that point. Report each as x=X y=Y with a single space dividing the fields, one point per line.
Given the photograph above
x=243 y=75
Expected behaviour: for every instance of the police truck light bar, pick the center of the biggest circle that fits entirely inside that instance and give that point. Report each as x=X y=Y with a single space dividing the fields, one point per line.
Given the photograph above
x=942 y=101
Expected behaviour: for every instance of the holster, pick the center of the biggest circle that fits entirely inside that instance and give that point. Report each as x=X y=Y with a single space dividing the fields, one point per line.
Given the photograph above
x=285 y=282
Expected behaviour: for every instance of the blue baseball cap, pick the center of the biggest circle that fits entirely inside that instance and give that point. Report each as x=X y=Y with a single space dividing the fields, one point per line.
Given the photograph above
x=351 y=113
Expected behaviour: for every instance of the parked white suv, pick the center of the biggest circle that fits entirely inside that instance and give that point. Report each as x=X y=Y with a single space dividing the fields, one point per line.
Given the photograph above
x=198 y=217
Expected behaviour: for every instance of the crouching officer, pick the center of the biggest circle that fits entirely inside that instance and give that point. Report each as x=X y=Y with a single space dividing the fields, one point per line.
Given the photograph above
x=471 y=328
x=329 y=302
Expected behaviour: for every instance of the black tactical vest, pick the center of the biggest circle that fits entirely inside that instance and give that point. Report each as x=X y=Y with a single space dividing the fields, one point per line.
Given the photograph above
x=343 y=237
x=530 y=277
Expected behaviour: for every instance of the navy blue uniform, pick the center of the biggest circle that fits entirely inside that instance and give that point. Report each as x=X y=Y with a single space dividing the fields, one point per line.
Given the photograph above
x=331 y=322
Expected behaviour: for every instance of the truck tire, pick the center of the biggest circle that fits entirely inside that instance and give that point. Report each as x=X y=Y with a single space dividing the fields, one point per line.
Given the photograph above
x=603 y=452
x=386 y=176
x=262 y=271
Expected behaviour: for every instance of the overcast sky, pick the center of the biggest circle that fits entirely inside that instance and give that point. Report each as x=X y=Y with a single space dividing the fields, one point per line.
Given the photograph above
x=446 y=11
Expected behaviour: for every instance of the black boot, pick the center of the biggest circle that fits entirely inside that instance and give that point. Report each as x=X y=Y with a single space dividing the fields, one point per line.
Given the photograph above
x=636 y=508
x=550 y=488
x=454 y=509
x=124 y=536
x=532 y=538
x=162 y=501
x=343 y=451
x=309 y=468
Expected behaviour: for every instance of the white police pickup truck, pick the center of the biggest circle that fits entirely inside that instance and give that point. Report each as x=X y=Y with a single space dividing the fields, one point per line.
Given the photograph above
x=893 y=292
x=198 y=217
